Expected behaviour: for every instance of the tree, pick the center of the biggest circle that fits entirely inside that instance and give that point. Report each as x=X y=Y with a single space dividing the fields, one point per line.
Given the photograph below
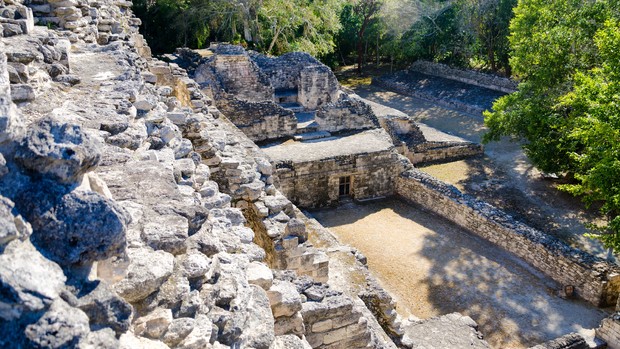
x=366 y=10
x=566 y=107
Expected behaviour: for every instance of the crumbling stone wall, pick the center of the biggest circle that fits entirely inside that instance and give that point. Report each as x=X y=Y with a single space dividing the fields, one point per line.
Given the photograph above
x=315 y=83
x=471 y=77
x=609 y=331
x=259 y=120
x=594 y=279
x=348 y=113
x=239 y=75
x=315 y=183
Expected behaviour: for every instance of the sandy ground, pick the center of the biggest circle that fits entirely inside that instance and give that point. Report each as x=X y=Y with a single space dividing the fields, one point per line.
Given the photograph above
x=503 y=176
x=433 y=267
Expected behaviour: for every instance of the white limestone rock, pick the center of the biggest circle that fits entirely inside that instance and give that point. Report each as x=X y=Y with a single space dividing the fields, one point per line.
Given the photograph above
x=259 y=274
x=289 y=342
x=195 y=264
x=130 y=341
x=147 y=271
x=284 y=299
x=154 y=324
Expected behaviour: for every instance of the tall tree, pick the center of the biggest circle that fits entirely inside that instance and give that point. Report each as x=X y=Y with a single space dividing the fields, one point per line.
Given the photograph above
x=366 y=10
x=566 y=111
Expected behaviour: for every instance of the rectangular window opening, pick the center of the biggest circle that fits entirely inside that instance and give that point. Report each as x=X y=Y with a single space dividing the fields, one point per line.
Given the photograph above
x=344 y=187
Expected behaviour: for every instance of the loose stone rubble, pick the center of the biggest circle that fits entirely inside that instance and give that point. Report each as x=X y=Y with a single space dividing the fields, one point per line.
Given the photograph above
x=134 y=214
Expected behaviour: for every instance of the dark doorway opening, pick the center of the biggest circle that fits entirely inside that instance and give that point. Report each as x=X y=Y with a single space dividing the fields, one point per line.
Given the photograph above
x=344 y=187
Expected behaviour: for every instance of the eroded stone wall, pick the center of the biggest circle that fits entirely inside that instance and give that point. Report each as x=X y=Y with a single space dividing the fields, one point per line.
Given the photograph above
x=609 y=331
x=259 y=120
x=471 y=77
x=594 y=279
x=347 y=113
x=316 y=83
x=239 y=75
x=315 y=183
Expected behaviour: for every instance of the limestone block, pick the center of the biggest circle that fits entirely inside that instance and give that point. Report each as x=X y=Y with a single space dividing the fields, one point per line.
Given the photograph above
x=289 y=342
x=200 y=335
x=147 y=271
x=277 y=203
x=153 y=325
x=259 y=274
x=60 y=327
x=290 y=325
x=296 y=227
x=79 y=227
x=178 y=330
x=130 y=341
x=166 y=232
x=31 y=289
x=284 y=299
x=59 y=150
x=22 y=93
x=195 y=265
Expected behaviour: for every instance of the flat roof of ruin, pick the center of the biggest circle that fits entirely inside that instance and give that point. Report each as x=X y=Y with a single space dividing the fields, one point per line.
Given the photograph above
x=370 y=141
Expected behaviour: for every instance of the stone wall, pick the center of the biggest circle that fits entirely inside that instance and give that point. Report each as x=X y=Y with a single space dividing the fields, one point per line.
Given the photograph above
x=259 y=120
x=239 y=75
x=316 y=83
x=389 y=83
x=347 y=113
x=609 y=331
x=471 y=77
x=317 y=86
x=315 y=183
x=569 y=341
x=433 y=152
x=594 y=279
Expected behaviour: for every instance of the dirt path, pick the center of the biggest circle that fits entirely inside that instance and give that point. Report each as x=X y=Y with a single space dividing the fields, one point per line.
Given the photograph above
x=503 y=177
x=433 y=267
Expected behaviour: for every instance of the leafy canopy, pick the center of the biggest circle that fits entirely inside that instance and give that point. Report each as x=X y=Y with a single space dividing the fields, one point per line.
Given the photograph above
x=567 y=107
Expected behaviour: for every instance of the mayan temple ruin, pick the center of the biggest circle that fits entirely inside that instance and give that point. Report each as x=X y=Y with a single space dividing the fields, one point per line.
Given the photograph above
x=169 y=202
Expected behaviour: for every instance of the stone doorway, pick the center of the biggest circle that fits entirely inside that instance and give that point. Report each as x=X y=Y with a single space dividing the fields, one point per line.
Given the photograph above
x=344 y=186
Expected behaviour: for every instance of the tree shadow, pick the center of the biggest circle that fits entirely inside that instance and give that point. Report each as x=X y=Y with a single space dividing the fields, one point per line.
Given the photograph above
x=437 y=267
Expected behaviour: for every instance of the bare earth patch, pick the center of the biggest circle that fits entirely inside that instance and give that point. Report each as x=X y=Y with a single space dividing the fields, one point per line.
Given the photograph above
x=433 y=267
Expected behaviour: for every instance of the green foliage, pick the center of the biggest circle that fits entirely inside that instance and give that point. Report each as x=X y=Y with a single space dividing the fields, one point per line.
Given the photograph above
x=567 y=108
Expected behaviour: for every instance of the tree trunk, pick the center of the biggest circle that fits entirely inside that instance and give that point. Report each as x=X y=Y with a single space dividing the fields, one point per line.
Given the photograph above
x=273 y=41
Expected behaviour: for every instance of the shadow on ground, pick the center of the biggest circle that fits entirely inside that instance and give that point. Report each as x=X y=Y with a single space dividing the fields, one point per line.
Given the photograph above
x=433 y=267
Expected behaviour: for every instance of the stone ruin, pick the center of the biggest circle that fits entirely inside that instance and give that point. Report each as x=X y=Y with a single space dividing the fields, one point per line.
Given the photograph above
x=135 y=214
x=342 y=144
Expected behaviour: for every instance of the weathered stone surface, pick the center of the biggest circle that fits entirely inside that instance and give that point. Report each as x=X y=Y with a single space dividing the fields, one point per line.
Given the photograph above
x=166 y=232
x=259 y=274
x=296 y=227
x=26 y=289
x=178 y=330
x=195 y=265
x=289 y=342
x=60 y=327
x=200 y=336
x=462 y=330
x=22 y=93
x=11 y=227
x=284 y=299
x=106 y=309
x=74 y=227
x=153 y=325
x=130 y=341
x=102 y=339
x=147 y=271
x=60 y=151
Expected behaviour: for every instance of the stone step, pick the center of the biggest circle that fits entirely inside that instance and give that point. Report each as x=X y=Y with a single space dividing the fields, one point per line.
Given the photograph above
x=311 y=135
x=294 y=107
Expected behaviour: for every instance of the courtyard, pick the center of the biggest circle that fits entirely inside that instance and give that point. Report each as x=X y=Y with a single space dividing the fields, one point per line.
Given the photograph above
x=433 y=267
